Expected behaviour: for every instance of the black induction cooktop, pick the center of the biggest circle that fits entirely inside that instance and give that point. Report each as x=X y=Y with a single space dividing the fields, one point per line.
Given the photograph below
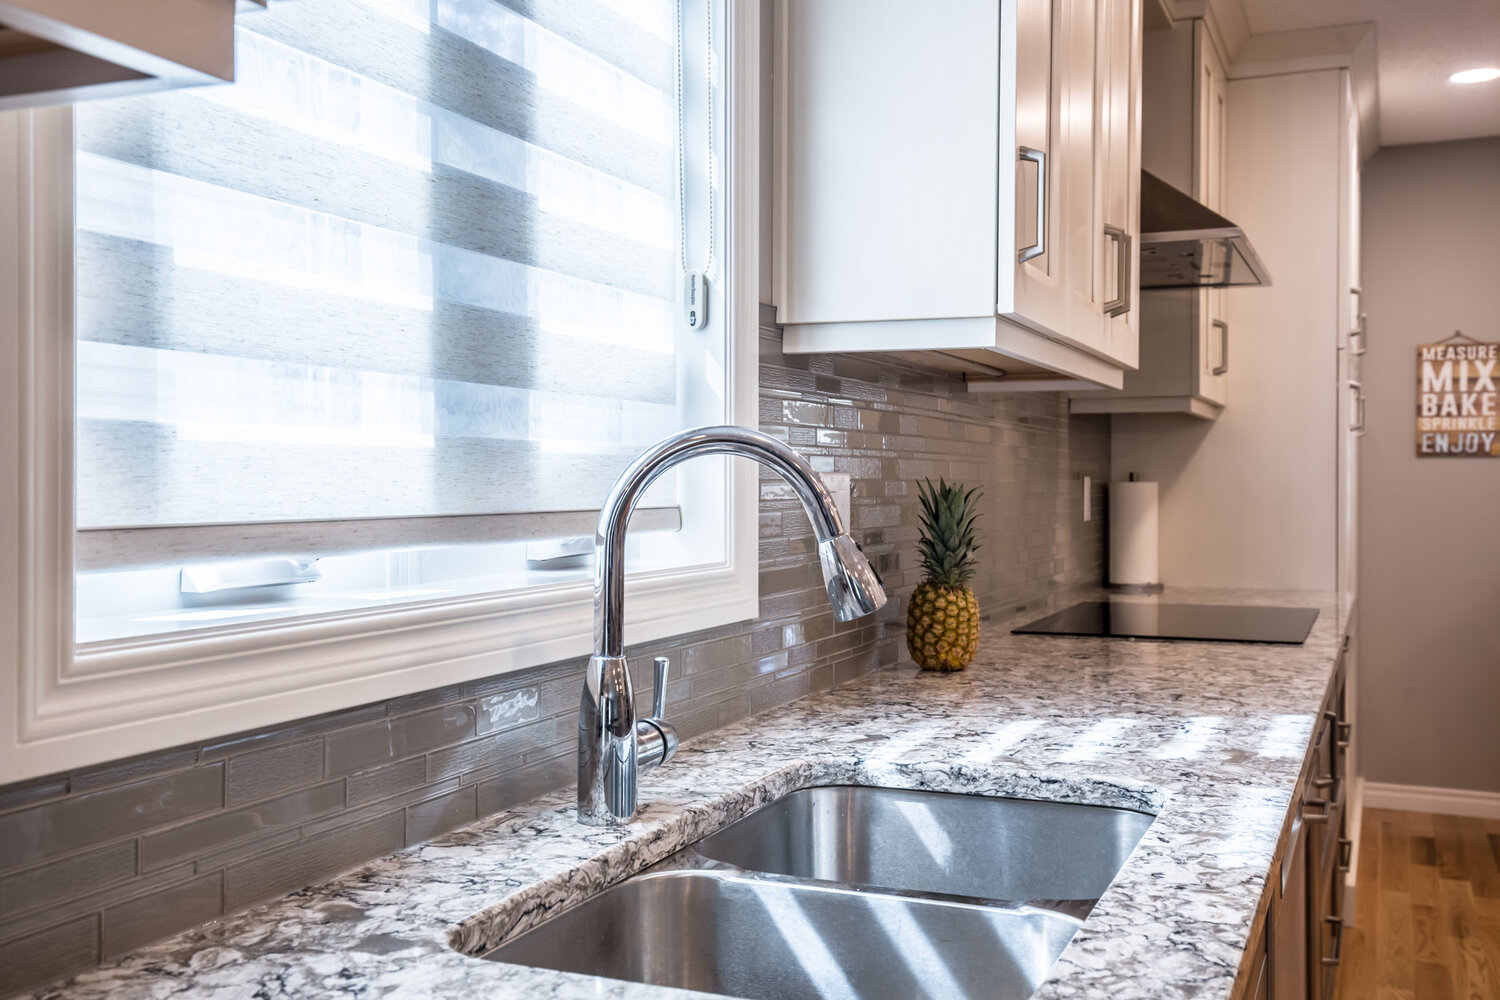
x=1142 y=620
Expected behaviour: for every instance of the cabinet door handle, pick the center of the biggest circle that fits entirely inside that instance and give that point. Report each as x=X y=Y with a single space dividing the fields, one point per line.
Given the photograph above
x=1330 y=779
x=1223 y=329
x=1346 y=852
x=1357 y=424
x=1120 y=304
x=1040 y=246
x=1359 y=323
x=1338 y=940
x=1320 y=803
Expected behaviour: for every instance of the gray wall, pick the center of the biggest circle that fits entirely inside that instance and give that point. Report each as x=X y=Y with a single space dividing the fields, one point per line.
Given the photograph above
x=98 y=862
x=1429 y=576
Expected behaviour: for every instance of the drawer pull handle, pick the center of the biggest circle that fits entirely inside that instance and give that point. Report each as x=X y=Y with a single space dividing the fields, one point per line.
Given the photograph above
x=1338 y=940
x=1222 y=368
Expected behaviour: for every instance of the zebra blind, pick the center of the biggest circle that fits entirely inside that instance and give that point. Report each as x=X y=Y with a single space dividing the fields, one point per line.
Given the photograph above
x=419 y=261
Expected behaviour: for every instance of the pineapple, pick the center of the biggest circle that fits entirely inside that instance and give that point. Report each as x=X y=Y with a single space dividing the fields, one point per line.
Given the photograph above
x=942 y=619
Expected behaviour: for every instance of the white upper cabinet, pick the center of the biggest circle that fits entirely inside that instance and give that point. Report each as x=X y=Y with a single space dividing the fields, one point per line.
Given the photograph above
x=961 y=180
x=1184 y=333
x=1211 y=97
x=56 y=51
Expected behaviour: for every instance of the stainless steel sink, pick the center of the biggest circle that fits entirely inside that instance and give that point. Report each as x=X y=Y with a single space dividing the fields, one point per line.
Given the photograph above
x=773 y=939
x=853 y=892
x=936 y=842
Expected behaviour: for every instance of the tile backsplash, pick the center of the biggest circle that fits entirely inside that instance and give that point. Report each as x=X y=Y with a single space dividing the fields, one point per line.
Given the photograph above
x=95 y=863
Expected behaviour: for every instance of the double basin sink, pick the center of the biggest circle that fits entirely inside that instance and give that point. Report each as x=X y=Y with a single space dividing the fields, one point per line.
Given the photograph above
x=852 y=891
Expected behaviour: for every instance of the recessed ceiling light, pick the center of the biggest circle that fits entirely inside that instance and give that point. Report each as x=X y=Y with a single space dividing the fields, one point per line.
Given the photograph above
x=1475 y=75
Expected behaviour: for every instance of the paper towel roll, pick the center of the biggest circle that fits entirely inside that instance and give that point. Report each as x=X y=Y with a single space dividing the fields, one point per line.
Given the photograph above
x=1132 y=534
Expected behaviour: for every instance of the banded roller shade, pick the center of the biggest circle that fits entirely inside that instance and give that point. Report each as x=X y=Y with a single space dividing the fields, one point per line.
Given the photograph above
x=410 y=279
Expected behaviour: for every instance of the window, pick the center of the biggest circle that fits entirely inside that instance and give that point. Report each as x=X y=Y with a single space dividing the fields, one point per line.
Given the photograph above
x=411 y=279
x=360 y=342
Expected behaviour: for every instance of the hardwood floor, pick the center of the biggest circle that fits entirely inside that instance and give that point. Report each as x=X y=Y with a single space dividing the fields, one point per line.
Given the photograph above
x=1427 y=917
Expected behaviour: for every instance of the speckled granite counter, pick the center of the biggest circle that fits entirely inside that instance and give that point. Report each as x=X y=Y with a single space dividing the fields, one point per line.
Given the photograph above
x=1210 y=736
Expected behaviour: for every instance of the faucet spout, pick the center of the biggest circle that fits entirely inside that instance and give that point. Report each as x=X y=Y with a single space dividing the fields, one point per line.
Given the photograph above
x=613 y=746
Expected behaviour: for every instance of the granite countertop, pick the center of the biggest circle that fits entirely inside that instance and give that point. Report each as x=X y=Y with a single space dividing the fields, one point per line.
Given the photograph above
x=1209 y=736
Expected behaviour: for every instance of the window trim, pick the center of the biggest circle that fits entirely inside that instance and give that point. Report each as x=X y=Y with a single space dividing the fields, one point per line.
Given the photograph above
x=70 y=708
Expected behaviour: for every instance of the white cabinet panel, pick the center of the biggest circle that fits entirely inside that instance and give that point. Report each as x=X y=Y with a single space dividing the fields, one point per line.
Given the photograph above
x=886 y=176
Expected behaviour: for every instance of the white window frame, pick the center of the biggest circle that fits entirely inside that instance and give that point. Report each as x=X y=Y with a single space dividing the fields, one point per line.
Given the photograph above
x=62 y=707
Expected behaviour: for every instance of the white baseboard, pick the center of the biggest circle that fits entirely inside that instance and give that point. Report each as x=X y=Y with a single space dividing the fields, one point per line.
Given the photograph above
x=1419 y=798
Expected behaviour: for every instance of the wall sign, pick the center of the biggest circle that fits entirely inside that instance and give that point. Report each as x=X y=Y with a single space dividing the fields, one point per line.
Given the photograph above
x=1456 y=399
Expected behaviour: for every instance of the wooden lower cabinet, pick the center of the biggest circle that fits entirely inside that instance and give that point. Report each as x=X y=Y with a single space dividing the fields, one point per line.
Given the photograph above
x=1331 y=845
x=1296 y=954
x=1287 y=918
x=1258 y=985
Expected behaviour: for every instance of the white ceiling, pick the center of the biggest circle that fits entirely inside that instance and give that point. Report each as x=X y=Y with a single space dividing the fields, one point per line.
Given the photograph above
x=1418 y=43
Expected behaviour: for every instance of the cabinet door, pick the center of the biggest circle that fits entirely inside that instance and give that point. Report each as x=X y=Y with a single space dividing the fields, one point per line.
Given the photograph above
x=889 y=136
x=1082 y=143
x=1258 y=985
x=1034 y=264
x=1210 y=102
x=1288 y=942
x=1095 y=75
x=1351 y=345
x=1214 y=334
x=1328 y=843
x=1119 y=165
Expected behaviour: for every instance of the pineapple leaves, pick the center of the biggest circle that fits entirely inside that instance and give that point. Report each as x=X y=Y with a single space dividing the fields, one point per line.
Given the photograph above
x=947 y=546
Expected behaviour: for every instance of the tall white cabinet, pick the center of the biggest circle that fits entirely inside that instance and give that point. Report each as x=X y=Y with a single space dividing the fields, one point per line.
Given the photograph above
x=961 y=180
x=1352 y=343
x=1264 y=495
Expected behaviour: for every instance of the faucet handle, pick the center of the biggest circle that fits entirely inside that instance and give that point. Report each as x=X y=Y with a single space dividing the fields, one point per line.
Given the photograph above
x=659 y=691
x=656 y=739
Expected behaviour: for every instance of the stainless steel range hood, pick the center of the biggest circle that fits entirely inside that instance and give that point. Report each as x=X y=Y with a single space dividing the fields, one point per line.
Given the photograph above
x=1185 y=244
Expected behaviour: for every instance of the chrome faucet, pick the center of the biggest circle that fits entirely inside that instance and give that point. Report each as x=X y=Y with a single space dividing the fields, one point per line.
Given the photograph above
x=614 y=747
